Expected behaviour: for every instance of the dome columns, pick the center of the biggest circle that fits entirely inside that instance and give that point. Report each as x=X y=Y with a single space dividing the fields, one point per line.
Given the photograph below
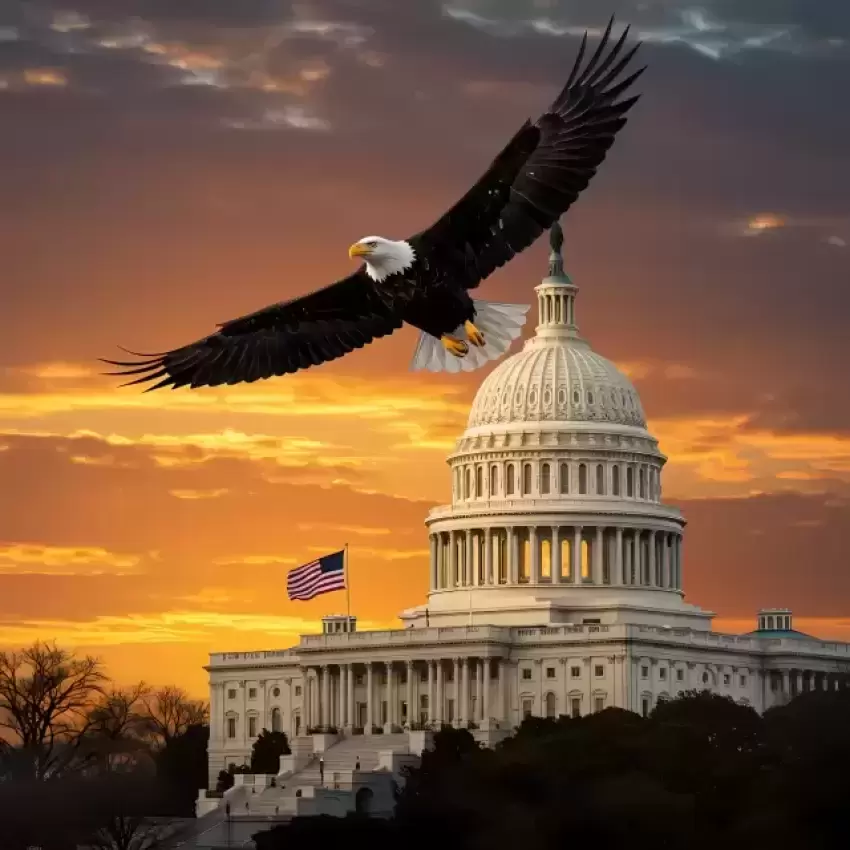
x=597 y=555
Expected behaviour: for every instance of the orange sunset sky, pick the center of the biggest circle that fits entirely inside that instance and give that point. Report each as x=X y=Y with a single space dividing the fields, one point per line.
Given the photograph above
x=168 y=165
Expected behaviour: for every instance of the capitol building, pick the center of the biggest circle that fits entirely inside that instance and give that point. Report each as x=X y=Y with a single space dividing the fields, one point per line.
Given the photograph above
x=556 y=575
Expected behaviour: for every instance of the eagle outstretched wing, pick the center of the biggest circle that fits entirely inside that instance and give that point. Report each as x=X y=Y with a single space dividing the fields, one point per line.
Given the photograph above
x=282 y=338
x=542 y=170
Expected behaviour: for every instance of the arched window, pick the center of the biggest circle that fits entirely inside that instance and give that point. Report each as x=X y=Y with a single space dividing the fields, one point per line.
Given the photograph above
x=564 y=476
x=479 y=481
x=467 y=493
x=551 y=705
x=277 y=725
x=510 y=484
x=615 y=480
x=600 y=479
x=642 y=482
x=494 y=480
x=630 y=482
x=545 y=474
x=526 y=479
x=582 y=479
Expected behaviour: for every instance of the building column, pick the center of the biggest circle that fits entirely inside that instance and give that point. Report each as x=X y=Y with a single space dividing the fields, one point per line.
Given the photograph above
x=489 y=579
x=597 y=557
x=637 y=566
x=665 y=560
x=618 y=557
x=409 y=694
x=440 y=702
x=534 y=547
x=429 y=717
x=502 y=701
x=456 y=720
x=480 y=715
x=370 y=698
x=307 y=698
x=341 y=695
x=652 y=577
x=513 y=556
x=388 y=694
x=678 y=581
x=463 y=714
x=555 y=555
x=453 y=571
x=325 y=702
x=434 y=568
x=576 y=554
x=485 y=692
x=349 y=696
x=467 y=558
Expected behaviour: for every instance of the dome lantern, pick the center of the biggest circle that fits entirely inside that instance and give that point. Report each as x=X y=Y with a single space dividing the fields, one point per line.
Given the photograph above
x=556 y=294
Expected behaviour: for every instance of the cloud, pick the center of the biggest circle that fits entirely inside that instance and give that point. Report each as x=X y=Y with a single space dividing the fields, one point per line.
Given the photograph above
x=717 y=31
x=169 y=627
x=28 y=558
x=199 y=494
x=254 y=560
x=359 y=530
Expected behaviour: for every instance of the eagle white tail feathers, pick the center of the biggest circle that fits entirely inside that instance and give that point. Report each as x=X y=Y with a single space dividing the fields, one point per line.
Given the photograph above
x=500 y=324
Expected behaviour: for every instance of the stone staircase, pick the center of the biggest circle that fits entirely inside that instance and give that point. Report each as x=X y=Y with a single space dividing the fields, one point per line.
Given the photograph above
x=343 y=756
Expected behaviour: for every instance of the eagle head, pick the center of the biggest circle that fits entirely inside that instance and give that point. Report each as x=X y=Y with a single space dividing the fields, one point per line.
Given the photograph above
x=383 y=257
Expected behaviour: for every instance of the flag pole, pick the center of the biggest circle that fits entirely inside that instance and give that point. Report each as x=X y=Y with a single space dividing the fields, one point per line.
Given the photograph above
x=347 y=583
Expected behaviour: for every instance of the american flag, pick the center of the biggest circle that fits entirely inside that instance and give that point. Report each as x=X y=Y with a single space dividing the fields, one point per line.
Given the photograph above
x=322 y=576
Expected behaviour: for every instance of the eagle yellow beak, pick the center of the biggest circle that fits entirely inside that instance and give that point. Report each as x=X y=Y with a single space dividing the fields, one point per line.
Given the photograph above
x=358 y=249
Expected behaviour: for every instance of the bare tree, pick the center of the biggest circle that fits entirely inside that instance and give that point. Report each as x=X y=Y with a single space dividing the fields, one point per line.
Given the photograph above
x=120 y=727
x=46 y=699
x=171 y=712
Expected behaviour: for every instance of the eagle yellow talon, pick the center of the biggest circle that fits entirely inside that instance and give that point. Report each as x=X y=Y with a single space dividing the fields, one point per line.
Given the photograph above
x=475 y=336
x=454 y=346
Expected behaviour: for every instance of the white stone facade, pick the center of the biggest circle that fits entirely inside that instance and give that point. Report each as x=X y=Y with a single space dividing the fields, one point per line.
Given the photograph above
x=555 y=581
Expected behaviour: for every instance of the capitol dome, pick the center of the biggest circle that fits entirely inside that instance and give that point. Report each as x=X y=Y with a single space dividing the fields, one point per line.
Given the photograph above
x=556 y=380
x=556 y=508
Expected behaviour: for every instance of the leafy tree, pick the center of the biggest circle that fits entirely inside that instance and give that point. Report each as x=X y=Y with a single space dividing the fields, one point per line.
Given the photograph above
x=267 y=750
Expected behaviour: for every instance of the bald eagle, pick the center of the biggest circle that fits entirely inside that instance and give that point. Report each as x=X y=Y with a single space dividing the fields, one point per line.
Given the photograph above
x=425 y=280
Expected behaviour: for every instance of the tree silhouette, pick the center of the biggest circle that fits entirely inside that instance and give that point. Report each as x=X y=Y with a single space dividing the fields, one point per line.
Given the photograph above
x=267 y=750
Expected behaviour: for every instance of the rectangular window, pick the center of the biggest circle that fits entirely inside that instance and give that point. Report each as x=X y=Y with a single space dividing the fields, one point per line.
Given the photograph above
x=662 y=673
x=252 y=727
x=231 y=727
x=526 y=673
x=231 y=694
x=550 y=672
x=575 y=706
x=743 y=681
x=423 y=676
x=680 y=675
x=726 y=678
x=298 y=690
x=527 y=708
x=598 y=704
x=575 y=672
x=359 y=679
x=423 y=700
x=252 y=693
x=644 y=707
x=599 y=671
x=644 y=672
